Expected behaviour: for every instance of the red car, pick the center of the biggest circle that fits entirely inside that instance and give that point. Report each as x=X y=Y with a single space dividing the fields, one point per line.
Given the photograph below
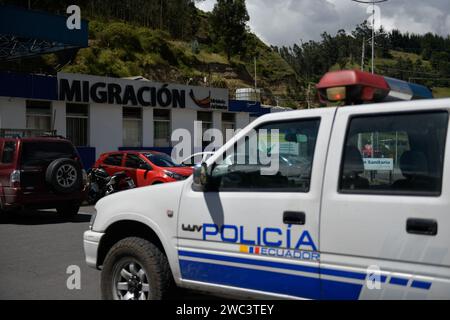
x=144 y=167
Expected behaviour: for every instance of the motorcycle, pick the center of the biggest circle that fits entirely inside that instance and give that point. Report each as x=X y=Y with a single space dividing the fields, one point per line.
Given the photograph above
x=101 y=184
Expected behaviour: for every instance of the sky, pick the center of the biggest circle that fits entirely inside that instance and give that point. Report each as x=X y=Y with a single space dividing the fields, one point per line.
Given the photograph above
x=285 y=22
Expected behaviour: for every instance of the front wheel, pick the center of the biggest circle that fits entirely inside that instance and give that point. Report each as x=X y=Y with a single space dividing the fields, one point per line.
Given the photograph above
x=135 y=269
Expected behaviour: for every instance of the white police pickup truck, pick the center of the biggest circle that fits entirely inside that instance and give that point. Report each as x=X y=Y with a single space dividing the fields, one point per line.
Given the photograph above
x=360 y=209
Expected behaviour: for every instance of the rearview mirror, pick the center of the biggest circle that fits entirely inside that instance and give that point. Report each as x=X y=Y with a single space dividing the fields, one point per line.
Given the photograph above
x=201 y=177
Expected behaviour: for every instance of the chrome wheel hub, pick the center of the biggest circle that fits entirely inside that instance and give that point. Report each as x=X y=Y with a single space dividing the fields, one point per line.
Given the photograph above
x=131 y=282
x=66 y=175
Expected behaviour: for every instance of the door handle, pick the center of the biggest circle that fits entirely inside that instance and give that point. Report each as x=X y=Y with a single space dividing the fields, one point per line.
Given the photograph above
x=294 y=217
x=422 y=227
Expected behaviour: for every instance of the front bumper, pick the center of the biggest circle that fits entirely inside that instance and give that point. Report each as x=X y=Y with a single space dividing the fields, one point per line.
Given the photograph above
x=91 y=243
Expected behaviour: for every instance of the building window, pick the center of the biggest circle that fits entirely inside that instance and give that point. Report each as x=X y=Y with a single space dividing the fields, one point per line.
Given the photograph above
x=162 y=129
x=132 y=127
x=228 y=123
x=39 y=115
x=77 y=124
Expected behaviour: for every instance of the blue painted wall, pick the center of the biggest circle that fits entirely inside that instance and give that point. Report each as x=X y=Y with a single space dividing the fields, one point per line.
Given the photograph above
x=28 y=86
x=87 y=155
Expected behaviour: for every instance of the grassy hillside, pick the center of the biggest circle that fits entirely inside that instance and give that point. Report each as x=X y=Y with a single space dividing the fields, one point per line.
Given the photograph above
x=119 y=49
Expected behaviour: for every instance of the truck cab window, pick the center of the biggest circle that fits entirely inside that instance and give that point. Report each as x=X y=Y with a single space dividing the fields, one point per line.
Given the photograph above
x=291 y=144
x=395 y=154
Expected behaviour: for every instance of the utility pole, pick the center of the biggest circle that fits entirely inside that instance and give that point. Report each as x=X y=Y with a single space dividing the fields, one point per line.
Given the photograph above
x=373 y=37
x=256 y=80
x=363 y=55
x=373 y=3
x=161 y=16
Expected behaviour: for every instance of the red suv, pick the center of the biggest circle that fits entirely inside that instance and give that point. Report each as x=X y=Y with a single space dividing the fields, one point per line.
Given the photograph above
x=41 y=173
x=144 y=167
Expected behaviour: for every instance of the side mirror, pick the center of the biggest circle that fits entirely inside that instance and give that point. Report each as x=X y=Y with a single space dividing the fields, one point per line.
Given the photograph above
x=201 y=177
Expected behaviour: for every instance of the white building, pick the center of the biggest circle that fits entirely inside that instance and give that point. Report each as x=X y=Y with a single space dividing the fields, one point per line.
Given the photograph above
x=101 y=114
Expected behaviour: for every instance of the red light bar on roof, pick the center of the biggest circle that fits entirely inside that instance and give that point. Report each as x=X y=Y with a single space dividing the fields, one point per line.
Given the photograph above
x=360 y=86
x=357 y=87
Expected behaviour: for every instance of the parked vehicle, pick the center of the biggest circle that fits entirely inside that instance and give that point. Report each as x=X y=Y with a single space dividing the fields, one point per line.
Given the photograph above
x=42 y=173
x=350 y=228
x=144 y=167
x=101 y=184
x=197 y=158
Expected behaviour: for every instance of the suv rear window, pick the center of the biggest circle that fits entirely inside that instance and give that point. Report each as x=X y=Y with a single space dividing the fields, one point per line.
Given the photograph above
x=43 y=152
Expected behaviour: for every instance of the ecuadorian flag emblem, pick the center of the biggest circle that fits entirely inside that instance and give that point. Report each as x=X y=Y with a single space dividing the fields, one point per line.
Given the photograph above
x=250 y=250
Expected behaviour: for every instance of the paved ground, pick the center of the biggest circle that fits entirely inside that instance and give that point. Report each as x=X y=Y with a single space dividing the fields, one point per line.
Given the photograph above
x=37 y=247
x=35 y=250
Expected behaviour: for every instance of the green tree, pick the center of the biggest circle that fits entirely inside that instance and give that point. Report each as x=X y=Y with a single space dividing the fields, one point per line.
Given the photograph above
x=229 y=26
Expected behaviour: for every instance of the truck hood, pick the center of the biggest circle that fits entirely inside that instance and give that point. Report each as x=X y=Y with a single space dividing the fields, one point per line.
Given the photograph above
x=148 y=205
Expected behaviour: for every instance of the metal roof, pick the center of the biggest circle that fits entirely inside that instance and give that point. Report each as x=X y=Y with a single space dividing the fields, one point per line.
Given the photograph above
x=25 y=33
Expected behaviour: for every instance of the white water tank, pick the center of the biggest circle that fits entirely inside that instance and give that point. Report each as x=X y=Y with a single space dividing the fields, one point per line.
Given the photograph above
x=248 y=94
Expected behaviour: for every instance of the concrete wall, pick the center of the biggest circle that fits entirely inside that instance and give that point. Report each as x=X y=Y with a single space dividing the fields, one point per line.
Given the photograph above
x=147 y=127
x=13 y=113
x=242 y=120
x=59 y=113
x=105 y=127
x=184 y=119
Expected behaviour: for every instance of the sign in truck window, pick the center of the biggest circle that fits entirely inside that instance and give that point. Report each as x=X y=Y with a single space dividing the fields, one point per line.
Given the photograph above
x=373 y=164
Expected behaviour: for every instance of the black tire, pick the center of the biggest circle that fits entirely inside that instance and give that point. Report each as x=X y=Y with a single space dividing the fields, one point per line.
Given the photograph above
x=64 y=167
x=148 y=257
x=68 y=210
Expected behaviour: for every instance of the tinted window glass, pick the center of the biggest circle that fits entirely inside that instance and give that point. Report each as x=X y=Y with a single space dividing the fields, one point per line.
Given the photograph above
x=162 y=160
x=39 y=153
x=290 y=144
x=395 y=154
x=133 y=161
x=9 y=149
x=114 y=160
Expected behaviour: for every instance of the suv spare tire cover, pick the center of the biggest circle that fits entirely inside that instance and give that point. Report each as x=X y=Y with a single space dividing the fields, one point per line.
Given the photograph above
x=64 y=175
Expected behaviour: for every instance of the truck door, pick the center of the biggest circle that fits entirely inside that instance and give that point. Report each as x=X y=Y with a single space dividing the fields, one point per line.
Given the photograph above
x=385 y=222
x=257 y=233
